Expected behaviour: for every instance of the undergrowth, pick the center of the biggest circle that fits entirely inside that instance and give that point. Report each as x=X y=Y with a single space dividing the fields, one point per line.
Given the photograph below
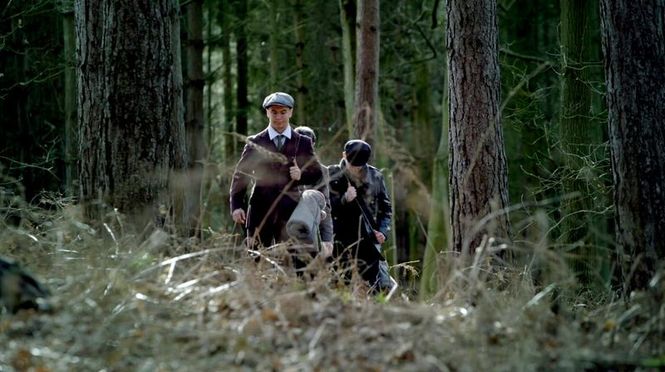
x=146 y=301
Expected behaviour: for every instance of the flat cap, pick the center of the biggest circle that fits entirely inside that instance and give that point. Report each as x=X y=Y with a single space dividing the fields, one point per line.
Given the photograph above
x=278 y=98
x=357 y=152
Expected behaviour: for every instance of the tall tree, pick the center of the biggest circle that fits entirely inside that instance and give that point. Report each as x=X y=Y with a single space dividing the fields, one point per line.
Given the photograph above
x=347 y=10
x=130 y=105
x=194 y=125
x=531 y=86
x=224 y=20
x=367 y=69
x=323 y=73
x=438 y=227
x=478 y=173
x=69 y=137
x=580 y=135
x=299 y=22
x=242 y=66
x=274 y=42
x=226 y=140
x=209 y=75
x=634 y=52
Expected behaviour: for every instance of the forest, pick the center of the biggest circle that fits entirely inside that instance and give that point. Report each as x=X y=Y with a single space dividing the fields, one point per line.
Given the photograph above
x=522 y=143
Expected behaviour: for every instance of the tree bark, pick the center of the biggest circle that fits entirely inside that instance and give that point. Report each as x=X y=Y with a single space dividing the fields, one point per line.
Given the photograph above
x=242 y=64
x=367 y=70
x=230 y=147
x=194 y=124
x=70 y=138
x=478 y=179
x=346 y=15
x=299 y=37
x=423 y=142
x=130 y=105
x=274 y=42
x=634 y=52
x=209 y=77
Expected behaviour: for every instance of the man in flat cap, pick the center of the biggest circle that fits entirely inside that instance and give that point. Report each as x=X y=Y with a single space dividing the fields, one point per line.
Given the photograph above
x=276 y=161
x=362 y=213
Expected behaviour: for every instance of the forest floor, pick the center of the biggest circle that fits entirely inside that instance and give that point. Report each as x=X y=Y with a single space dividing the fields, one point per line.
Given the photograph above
x=124 y=302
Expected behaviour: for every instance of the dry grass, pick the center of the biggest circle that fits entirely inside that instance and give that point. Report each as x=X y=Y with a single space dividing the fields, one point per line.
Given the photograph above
x=148 y=302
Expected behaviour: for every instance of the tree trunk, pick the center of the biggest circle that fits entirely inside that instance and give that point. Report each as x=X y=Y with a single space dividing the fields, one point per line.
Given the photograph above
x=194 y=125
x=242 y=64
x=423 y=136
x=20 y=107
x=346 y=15
x=438 y=234
x=69 y=140
x=438 y=226
x=301 y=89
x=190 y=181
x=130 y=108
x=580 y=135
x=367 y=70
x=274 y=43
x=229 y=141
x=478 y=174
x=230 y=147
x=633 y=34
x=208 y=75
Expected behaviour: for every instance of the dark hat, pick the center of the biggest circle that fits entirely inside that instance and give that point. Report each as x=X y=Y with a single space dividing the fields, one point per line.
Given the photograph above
x=278 y=98
x=306 y=131
x=357 y=152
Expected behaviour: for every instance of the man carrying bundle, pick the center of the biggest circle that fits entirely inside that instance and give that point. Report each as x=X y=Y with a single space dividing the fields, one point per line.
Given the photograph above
x=276 y=161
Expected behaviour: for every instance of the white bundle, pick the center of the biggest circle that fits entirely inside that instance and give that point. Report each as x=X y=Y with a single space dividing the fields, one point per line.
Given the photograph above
x=304 y=221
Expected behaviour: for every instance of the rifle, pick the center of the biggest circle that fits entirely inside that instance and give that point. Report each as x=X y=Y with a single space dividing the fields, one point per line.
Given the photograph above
x=384 y=280
x=369 y=225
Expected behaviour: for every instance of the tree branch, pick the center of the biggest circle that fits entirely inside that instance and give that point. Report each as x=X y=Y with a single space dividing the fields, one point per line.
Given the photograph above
x=527 y=57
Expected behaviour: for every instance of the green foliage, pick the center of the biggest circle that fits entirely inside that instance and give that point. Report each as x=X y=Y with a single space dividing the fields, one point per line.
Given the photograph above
x=548 y=161
x=411 y=89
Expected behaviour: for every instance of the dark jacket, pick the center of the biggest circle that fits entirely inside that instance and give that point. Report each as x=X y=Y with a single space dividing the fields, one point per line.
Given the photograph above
x=274 y=195
x=347 y=215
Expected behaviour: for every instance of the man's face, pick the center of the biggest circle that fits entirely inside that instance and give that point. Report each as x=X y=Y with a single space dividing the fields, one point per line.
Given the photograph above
x=279 y=117
x=356 y=171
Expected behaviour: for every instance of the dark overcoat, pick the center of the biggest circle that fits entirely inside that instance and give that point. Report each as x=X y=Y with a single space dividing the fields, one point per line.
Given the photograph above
x=274 y=196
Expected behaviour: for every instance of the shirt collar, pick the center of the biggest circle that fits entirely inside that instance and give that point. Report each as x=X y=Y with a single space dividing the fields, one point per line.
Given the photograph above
x=273 y=133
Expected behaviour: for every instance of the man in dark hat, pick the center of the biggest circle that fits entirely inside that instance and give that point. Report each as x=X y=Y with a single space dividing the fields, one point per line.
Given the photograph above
x=277 y=161
x=362 y=213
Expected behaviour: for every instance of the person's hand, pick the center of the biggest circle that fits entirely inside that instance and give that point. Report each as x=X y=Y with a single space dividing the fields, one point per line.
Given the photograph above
x=239 y=216
x=326 y=249
x=295 y=173
x=350 y=193
x=379 y=237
